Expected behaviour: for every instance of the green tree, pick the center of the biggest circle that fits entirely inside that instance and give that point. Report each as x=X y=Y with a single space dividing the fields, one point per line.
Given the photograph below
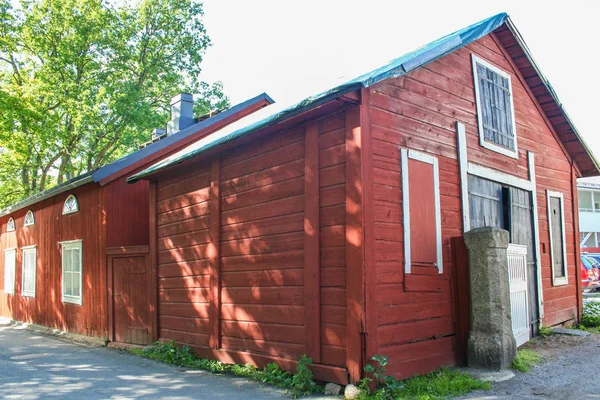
x=83 y=82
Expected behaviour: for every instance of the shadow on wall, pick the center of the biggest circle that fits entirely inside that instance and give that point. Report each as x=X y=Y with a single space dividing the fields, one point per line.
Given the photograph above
x=261 y=248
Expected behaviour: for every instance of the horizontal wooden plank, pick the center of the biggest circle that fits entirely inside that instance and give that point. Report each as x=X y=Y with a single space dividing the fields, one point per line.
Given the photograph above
x=283 y=295
x=287 y=277
x=263 y=227
x=263 y=331
x=276 y=314
x=277 y=349
x=412 y=331
x=271 y=261
x=275 y=191
x=185 y=282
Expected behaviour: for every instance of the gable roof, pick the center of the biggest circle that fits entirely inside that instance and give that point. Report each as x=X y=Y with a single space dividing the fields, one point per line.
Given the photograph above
x=108 y=172
x=500 y=23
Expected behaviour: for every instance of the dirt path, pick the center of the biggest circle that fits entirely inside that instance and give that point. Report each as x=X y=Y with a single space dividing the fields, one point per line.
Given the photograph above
x=570 y=370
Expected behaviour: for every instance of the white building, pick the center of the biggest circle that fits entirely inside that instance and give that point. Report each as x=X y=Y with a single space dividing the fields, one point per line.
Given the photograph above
x=588 y=191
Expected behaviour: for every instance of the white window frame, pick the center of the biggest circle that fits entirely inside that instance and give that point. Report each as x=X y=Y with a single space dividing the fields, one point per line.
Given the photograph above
x=10 y=228
x=72 y=244
x=10 y=284
x=66 y=212
x=24 y=250
x=29 y=223
x=484 y=143
x=557 y=280
x=426 y=158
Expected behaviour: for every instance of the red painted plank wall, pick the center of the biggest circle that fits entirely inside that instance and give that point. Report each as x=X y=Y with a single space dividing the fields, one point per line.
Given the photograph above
x=126 y=213
x=419 y=111
x=51 y=227
x=261 y=247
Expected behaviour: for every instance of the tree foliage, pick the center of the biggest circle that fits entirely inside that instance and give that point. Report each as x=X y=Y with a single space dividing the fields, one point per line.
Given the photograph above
x=83 y=82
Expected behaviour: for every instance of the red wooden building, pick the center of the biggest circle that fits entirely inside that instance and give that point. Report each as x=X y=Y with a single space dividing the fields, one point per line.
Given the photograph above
x=334 y=227
x=76 y=257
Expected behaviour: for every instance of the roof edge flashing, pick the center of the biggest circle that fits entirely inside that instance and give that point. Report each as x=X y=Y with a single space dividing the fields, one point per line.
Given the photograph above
x=513 y=29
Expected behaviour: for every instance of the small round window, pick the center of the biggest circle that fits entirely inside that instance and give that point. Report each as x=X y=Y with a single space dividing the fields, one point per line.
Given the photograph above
x=10 y=226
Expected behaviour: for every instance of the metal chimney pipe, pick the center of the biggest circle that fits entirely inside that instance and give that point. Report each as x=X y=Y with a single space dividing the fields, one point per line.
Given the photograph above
x=182 y=113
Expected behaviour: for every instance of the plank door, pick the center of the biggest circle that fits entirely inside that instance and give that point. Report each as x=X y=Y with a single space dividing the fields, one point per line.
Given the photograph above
x=485 y=203
x=131 y=300
x=521 y=232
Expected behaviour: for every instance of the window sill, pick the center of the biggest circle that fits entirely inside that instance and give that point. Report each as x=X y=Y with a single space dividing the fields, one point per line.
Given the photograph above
x=560 y=281
x=499 y=149
x=28 y=294
x=72 y=300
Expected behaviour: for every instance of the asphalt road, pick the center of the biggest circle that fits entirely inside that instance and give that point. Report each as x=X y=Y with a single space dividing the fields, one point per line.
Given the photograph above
x=569 y=371
x=34 y=366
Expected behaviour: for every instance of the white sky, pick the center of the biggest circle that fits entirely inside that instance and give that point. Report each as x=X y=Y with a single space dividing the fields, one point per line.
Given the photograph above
x=292 y=50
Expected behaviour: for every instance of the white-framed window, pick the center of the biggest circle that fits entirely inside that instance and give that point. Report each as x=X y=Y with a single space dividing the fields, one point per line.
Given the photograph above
x=556 y=231
x=421 y=211
x=29 y=219
x=10 y=262
x=10 y=225
x=495 y=108
x=72 y=271
x=29 y=267
x=71 y=205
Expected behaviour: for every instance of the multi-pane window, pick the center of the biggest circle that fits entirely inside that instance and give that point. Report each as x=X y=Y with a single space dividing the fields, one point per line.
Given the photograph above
x=29 y=218
x=71 y=271
x=71 y=205
x=10 y=261
x=29 y=255
x=10 y=225
x=495 y=110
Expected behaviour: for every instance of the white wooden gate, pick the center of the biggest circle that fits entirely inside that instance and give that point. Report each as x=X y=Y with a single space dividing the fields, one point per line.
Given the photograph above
x=517 y=273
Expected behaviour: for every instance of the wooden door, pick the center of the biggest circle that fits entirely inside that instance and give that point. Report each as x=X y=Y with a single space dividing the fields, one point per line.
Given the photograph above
x=521 y=232
x=131 y=298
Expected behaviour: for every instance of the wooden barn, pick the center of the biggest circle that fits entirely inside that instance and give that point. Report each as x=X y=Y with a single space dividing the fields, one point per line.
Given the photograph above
x=334 y=228
x=76 y=257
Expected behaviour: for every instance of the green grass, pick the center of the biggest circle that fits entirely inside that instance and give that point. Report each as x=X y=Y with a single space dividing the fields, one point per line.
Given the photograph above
x=440 y=384
x=591 y=314
x=546 y=331
x=525 y=360
x=299 y=384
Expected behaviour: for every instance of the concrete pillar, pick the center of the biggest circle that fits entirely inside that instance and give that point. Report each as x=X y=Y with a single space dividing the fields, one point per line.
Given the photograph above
x=491 y=343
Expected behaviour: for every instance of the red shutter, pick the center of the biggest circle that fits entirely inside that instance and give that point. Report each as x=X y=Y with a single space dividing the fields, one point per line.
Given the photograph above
x=423 y=244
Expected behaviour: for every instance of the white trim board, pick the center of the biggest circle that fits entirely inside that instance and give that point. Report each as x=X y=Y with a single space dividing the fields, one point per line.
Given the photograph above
x=557 y=280
x=461 y=138
x=500 y=177
x=426 y=158
x=536 y=232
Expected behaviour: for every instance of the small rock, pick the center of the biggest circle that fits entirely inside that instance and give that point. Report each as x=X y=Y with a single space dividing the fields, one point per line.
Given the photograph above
x=570 y=332
x=351 y=392
x=147 y=349
x=332 y=389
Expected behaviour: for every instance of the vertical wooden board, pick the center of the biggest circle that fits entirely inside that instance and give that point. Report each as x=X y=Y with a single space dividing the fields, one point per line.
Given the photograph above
x=214 y=255
x=153 y=259
x=577 y=249
x=312 y=268
x=354 y=246
x=368 y=177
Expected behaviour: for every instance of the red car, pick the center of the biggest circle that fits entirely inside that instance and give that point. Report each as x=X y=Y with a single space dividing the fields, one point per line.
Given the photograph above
x=589 y=275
